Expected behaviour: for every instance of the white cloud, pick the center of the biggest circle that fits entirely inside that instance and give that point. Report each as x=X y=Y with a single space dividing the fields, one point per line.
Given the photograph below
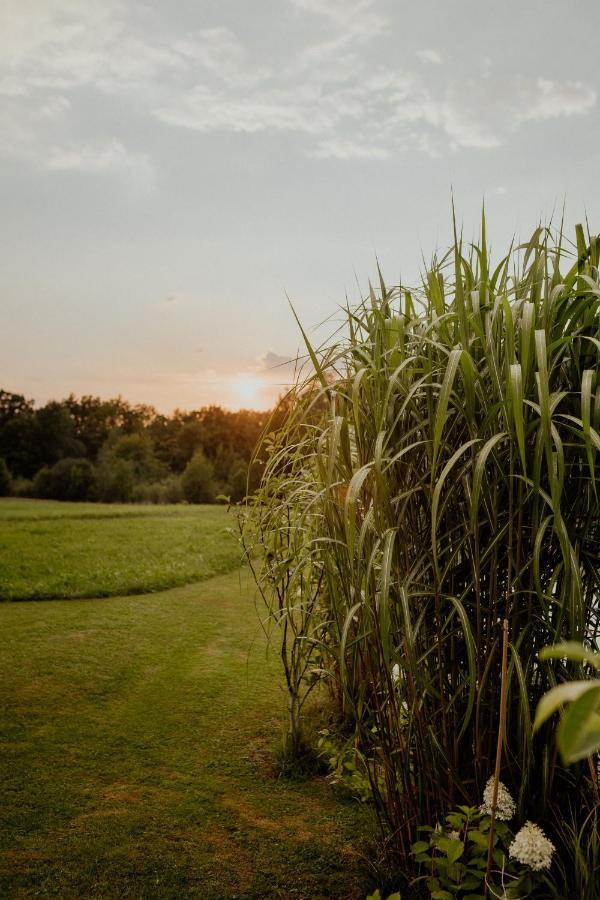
x=101 y=158
x=338 y=11
x=482 y=113
x=551 y=100
x=340 y=148
x=333 y=90
x=428 y=55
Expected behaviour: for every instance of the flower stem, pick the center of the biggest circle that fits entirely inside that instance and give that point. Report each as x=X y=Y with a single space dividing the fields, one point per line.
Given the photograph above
x=501 y=727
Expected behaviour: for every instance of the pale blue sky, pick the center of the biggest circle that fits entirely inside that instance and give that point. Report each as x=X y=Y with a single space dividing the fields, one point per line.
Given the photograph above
x=168 y=170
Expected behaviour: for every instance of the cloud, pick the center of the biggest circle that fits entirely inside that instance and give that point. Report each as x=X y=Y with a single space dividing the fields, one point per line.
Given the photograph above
x=482 y=113
x=551 y=100
x=273 y=362
x=99 y=159
x=278 y=369
x=342 y=148
x=429 y=56
x=338 y=11
x=331 y=90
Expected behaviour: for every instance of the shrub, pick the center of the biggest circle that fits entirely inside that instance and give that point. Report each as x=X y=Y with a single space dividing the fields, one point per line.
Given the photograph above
x=238 y=481
x=68 y=479
x=173 y=492
x=115 y=481
x=5 y=479
x=450 y=482
x=167 y=491
x=197 y=481
x=22 y=487
x=135 y=449
x=41 y=484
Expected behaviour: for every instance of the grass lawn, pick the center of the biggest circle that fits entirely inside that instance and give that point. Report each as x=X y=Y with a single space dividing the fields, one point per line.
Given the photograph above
x=136 y=744
x=50 y=549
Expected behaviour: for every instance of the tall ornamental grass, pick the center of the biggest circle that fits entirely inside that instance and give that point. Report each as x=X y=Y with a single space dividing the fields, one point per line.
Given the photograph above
x=438 y=472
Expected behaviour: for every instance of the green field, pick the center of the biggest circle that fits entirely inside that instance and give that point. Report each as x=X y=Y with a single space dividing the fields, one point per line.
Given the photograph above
x=59 y=550
x=137 y=742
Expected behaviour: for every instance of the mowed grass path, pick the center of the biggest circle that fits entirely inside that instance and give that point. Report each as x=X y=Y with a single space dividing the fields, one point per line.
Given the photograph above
x=136 y=743
x=58 y=550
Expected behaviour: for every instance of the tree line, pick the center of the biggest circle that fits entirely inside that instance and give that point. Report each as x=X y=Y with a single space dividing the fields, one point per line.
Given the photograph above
x=87 y=448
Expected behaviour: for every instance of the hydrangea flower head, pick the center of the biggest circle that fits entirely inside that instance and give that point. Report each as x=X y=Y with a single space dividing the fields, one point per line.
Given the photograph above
x=532 y=848
x=505 y=805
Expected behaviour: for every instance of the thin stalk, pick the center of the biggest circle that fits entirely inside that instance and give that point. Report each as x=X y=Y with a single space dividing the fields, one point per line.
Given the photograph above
x=499 y=745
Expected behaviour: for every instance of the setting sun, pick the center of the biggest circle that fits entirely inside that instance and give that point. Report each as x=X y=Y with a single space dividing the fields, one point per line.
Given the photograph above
x=248 y=389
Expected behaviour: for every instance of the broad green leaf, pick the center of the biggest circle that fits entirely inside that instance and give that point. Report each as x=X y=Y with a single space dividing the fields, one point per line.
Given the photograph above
x=419 y=847
x=455 y=852
x=578 y=734
x=558 y=696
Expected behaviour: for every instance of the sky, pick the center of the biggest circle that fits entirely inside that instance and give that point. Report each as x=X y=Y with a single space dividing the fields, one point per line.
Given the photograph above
x=172 y=172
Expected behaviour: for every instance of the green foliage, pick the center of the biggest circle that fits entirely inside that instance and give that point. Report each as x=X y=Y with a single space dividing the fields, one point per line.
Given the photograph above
x=5 y=479
x=238 y=481
x=115 y=481
x=22 y=487
x=346 y=769
x=168 y=490
x=197 y=481
x=455 y=858
x=436 y=474
x=137 y=451
x=578 y=734
x=68 y=479
x=108 y=433
x=579 y=844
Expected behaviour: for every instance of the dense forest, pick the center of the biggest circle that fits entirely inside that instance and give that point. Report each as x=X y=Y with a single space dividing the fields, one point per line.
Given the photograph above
x=87 y=448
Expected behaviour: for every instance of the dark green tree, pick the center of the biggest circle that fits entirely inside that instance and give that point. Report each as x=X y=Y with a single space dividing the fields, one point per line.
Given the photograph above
x=197 y=481
x=5 y=479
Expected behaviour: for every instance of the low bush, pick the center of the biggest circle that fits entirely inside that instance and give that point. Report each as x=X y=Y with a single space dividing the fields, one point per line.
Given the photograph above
x=115 y=481
x=22 y=487
x=167 y=491
x=197 y=481
x=68 y=479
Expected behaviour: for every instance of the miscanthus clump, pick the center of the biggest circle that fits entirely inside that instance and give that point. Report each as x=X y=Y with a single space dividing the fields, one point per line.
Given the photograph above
x=532 y=848
x=505 y=805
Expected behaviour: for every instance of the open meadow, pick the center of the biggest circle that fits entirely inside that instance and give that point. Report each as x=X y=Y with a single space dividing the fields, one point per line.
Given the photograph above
x=64 y=550
x=138 y=733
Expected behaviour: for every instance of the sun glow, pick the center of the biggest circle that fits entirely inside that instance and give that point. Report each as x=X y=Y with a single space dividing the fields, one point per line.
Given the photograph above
x=248 y=390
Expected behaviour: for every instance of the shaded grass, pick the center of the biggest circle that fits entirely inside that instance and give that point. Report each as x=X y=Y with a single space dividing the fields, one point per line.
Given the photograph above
x=136 y=745
x=50 y=550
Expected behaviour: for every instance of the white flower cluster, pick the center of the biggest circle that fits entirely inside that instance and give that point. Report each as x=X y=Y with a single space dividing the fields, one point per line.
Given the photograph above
x=454 y=835
x=532 y=848
x=395 y=674
x=505 y=805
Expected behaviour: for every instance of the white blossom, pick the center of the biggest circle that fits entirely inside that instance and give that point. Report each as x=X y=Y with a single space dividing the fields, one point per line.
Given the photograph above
x=505 y=805
x=395 y=674
x=454 y=835
x=532 y=848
